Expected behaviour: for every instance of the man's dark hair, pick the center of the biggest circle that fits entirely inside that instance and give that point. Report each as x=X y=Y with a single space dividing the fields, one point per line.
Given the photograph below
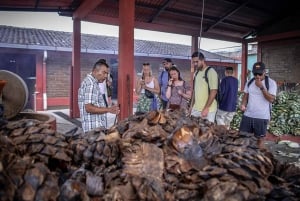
x=198 y=54
x=229 y=70
x=99 y=63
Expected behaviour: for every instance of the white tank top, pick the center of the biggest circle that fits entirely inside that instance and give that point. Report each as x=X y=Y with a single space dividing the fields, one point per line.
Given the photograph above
x=150 y=85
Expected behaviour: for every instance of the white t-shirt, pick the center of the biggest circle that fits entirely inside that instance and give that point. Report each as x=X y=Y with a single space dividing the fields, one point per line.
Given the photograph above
x=103 y=89
x=258 y=106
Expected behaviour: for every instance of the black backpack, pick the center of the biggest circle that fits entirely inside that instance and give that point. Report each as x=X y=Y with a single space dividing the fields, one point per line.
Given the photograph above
x=217 y=97
x=266 y=82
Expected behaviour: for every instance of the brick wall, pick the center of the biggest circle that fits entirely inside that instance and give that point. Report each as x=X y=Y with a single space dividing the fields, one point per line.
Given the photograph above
x=58 y=69
x=59 y=63
x=58 y=73
x=282 y=58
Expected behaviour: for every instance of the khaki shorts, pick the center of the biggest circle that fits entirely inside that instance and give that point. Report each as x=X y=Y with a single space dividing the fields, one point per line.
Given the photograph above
x=210 y=117
x=224 y=118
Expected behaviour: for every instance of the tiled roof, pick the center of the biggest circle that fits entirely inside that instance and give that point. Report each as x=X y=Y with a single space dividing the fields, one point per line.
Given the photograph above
x=30 y=38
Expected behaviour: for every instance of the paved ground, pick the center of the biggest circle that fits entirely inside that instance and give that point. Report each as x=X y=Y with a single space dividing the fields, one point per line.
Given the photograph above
x=64 y=126
x=282 y=152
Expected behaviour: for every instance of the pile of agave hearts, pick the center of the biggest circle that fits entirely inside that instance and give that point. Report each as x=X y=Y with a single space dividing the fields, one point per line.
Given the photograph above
x=155 y=156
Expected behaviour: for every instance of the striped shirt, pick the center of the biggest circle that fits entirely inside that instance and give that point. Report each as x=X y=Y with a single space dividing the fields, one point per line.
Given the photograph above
x=89 y=93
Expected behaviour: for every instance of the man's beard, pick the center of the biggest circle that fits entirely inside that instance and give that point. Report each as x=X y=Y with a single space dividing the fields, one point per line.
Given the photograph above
x=200 y=67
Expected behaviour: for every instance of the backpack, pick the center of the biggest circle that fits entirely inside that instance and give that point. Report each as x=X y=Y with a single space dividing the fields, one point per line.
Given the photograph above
x=266 y=82
x=206 y=79
x=217 y=97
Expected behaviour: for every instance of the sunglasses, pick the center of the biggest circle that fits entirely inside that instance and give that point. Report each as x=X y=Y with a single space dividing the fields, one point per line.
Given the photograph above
x=146 y=64
x=255 y=74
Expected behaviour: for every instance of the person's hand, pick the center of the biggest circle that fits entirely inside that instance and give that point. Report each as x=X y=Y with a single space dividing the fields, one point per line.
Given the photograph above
x=142 y=83
x=204 y=112
x=180 y=92
x=243 y=107
x=258 y=82
x=108 y=83
x=114 y=109
x=170 y=81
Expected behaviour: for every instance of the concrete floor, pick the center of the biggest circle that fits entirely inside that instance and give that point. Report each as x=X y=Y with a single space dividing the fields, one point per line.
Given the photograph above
x=64 y=126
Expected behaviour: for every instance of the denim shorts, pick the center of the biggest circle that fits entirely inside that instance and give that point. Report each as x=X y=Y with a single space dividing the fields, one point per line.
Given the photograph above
x=254 y=125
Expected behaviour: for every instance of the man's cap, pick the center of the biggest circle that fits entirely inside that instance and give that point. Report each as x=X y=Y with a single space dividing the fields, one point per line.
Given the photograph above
x=167 y=60
x=258 y=67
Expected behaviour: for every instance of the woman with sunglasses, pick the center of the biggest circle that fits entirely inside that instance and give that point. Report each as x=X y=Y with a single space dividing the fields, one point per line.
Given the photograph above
x=256 y=103
x=147 y=88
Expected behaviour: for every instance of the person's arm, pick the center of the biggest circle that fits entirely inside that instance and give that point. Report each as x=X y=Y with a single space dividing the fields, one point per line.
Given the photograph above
x=187 y=95
x=269 y=97
x=211 y=98
x=213 y=83
x=244 y=101
x=90 y=108
x=169 y=89
x=138 y=86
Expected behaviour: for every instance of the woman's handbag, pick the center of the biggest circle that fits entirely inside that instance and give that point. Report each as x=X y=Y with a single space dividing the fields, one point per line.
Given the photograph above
x=174 y=107
x=149 y=94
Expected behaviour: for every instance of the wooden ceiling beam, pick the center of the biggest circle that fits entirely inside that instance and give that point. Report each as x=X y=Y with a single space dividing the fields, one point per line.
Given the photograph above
x=227 y=15
x=161 y=9
x=250 y=6
x=168 y=28
x=85 y=8
x=193 y=15
x=31 y=9
x=272 y=37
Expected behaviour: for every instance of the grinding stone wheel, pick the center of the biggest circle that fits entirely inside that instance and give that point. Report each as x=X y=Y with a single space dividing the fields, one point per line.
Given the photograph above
x=14 y=94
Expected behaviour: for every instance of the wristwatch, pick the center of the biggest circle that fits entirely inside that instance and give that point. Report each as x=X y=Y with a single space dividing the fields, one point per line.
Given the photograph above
x=262 y=88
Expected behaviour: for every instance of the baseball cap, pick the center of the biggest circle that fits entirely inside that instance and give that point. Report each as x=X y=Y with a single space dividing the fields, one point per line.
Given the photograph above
x=167 y=60
x=258 y=67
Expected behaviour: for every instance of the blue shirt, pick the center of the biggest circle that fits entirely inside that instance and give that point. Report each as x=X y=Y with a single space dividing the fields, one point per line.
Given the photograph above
x=228 y=94
x=163 y=80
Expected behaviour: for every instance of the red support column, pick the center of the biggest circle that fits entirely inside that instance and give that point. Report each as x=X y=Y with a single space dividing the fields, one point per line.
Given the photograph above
x=39 y=84
x=126 y=57
x=45 y=98
x=244 y=64
x=75 y=70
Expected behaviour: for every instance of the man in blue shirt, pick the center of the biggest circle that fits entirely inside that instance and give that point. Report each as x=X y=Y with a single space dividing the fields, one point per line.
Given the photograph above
x=163 y=79
x=228 y=95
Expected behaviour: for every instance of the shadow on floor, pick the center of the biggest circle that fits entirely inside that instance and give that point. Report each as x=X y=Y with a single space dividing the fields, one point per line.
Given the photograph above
x=67 y=117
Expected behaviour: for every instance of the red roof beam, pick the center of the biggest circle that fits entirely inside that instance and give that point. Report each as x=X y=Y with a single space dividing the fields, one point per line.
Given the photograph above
x=85 y=8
